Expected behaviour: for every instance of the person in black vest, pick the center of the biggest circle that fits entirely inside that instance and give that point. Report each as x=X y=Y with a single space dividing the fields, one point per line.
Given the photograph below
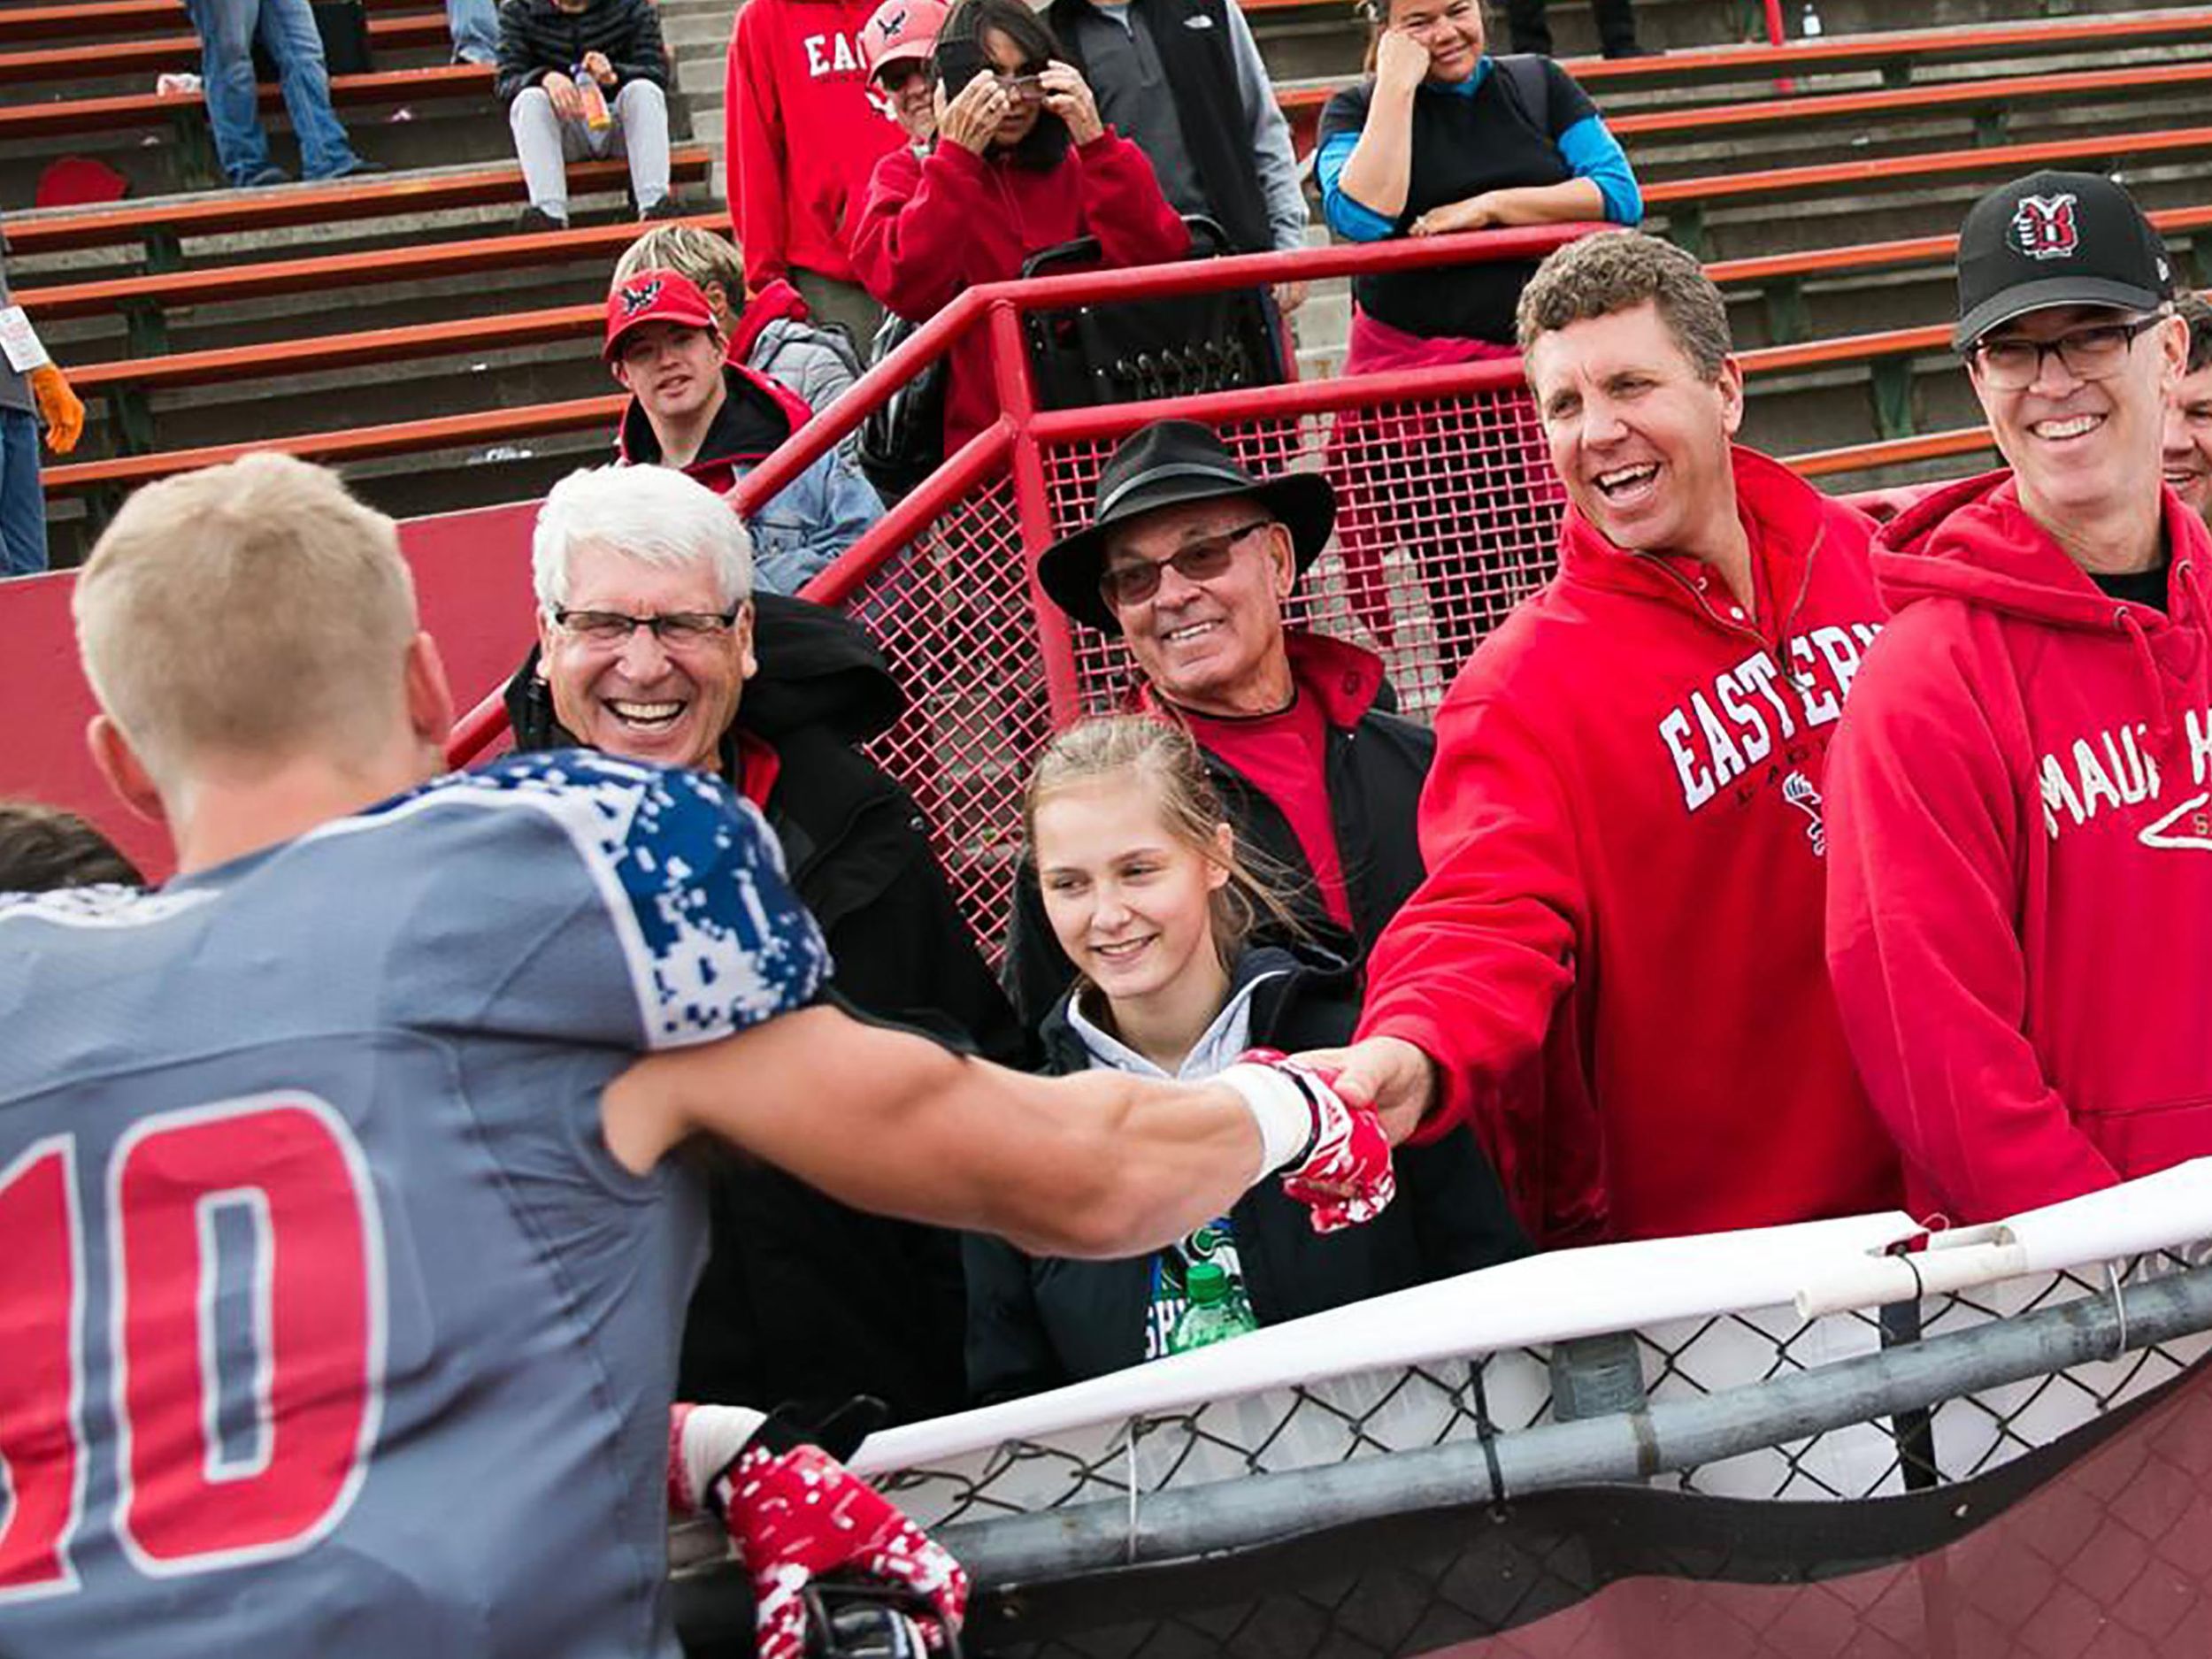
x=1190 y=559
x=1183 y=81
x=1442 y=137
x=1616 y=21
x=1146 y=888
x=802 y=1298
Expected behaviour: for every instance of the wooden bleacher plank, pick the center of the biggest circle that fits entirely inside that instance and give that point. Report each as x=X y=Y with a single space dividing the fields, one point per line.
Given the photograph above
x=1816 y=262
x=229 y=211
x=1861 y=458
x=1913 y=100
x=221 y=284
x=404 y=437
x=167 y=52
x=1818 y=354
x=498 y=332
x=79 y=19
x=69 y=116
x=1878 y=173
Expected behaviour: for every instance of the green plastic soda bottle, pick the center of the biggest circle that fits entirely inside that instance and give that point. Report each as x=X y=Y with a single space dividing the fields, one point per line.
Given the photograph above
x=1218 y=1309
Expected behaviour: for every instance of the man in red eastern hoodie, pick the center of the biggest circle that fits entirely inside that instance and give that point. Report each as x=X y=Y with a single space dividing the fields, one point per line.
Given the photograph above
x=1614 y=969
x=802 y=132
x=2020 y=901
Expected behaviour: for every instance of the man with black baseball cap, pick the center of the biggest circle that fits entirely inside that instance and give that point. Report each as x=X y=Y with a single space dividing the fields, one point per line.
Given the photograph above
x=2020 y=798
x=1190 y=560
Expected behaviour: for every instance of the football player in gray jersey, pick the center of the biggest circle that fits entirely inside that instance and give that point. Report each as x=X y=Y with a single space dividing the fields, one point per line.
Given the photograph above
x=345 y=1257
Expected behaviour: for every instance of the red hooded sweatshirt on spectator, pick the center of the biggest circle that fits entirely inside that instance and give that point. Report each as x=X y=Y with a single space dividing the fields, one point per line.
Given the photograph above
x=1623 y=837
x=801 y=135
x=2020 y=899
x=934 y=225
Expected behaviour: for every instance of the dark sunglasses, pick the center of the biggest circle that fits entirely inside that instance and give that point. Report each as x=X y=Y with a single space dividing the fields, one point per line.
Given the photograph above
x=1200 y=561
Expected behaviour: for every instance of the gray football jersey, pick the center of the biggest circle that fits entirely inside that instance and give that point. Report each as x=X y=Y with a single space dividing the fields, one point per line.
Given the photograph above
x=328 y=1326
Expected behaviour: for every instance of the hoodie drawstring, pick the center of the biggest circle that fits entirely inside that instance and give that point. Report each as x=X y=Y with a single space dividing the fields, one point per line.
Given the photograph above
x=2163 y=727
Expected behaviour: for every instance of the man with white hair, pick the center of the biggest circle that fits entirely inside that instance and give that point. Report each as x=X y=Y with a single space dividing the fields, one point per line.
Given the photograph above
x=345 y=1250
x=804 y=1298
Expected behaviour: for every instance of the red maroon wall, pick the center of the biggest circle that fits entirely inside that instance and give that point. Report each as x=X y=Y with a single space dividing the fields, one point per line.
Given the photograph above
x=472 y=570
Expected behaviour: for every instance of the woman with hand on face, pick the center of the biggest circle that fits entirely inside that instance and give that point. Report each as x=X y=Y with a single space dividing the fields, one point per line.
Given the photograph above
x=1021 y=163
x=1442 y=137
x=1149 y=896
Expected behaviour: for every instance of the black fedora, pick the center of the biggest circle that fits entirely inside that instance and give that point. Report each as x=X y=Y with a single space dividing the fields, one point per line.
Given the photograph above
x=1169 y=464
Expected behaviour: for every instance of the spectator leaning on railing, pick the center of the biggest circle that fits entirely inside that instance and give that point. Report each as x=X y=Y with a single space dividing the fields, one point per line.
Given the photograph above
x=1614 y=969
x=228 y=30
x=2187 y=450
x=771 y=332
x=585 y=77
x=1021 y=163
x=692 y=409
x=1190 y=559
x=1150 y=893
x=802 y=134
x=2020 y=898
x=1183 y=81
x=802 y=1298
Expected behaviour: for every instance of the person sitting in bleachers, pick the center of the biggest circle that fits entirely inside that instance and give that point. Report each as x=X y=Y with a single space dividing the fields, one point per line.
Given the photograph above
x=1150 y=893
x=772 y=332
x=692 y=409
x=653 y=645
x=42 y=848
x=1190 y=559
x=585 y=77
x=286 y=29
x=1021 y=163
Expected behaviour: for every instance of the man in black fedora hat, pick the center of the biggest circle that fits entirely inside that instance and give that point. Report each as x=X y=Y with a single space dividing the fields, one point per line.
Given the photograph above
x=1190 y=558
x=2020 y=886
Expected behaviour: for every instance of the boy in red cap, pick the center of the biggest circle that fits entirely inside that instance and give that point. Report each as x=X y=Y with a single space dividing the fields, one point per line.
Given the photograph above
x=716 y=420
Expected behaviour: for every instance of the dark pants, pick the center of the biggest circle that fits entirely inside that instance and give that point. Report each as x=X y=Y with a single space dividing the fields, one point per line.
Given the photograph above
x=1531 y=31
x=22 y=506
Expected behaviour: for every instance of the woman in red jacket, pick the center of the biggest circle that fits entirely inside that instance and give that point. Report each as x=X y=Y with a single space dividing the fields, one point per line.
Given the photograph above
x=1021 y=163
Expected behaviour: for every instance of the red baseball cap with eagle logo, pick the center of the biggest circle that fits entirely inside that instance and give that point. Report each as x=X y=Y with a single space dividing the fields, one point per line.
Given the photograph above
x=654 y=297
x=2056 y=239
x=901 y=31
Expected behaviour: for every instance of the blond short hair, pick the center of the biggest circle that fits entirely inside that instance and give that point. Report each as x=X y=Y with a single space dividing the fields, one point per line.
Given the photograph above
x=253 y=609
x=1618 y=271
x=697 y=255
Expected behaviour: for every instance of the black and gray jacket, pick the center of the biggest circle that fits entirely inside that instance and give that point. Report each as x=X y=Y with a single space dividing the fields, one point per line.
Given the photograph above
x=537 y=38
x=1039 y=1322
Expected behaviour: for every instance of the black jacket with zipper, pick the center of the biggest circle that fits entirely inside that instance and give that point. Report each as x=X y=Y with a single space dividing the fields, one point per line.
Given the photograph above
x=1040 y=1322
x=803 y=1299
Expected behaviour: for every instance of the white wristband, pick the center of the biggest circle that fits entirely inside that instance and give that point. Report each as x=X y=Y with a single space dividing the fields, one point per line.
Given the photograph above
x=713 y=1435
x=1280 y=1108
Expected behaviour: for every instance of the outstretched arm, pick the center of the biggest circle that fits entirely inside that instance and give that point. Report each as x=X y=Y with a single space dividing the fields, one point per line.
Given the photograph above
x=1100 y=1164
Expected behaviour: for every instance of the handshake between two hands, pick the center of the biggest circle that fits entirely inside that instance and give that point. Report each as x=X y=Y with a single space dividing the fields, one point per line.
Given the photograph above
x=1356 y=1100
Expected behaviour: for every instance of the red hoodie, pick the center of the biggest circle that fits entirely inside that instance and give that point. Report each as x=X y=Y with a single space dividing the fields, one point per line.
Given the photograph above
x=801 y=135
x=936 y=226
x=2020 y=901
x=1625 y=844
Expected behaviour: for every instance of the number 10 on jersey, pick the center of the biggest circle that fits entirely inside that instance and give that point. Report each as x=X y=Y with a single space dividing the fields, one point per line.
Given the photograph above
x=283 y=1175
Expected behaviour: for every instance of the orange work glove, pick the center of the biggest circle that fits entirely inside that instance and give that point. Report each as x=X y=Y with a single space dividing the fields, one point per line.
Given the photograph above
x=61 y=409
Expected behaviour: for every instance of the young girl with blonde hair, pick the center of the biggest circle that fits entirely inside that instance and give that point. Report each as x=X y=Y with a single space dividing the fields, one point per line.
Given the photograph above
x=1149 y=896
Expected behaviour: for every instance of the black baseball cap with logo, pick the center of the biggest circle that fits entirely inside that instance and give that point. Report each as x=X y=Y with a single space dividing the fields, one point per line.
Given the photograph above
x=2056 y=239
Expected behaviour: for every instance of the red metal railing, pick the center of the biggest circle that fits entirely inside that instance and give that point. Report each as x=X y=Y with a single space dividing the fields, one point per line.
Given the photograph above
x=1447 y=513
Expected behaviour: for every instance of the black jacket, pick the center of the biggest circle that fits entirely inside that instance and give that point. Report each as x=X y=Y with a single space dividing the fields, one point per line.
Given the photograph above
x=537 y=38
x=802 y=1298
x=1039 y=1322
x=1377 y=762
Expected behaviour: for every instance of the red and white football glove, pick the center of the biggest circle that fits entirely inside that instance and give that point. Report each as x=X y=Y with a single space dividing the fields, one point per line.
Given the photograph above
x=795 y=1514
x=1334 y=1157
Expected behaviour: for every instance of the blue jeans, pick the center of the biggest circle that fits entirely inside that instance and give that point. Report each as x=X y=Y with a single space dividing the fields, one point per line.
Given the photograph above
x=475 y=26
x=286 y=29
x=22 y=503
